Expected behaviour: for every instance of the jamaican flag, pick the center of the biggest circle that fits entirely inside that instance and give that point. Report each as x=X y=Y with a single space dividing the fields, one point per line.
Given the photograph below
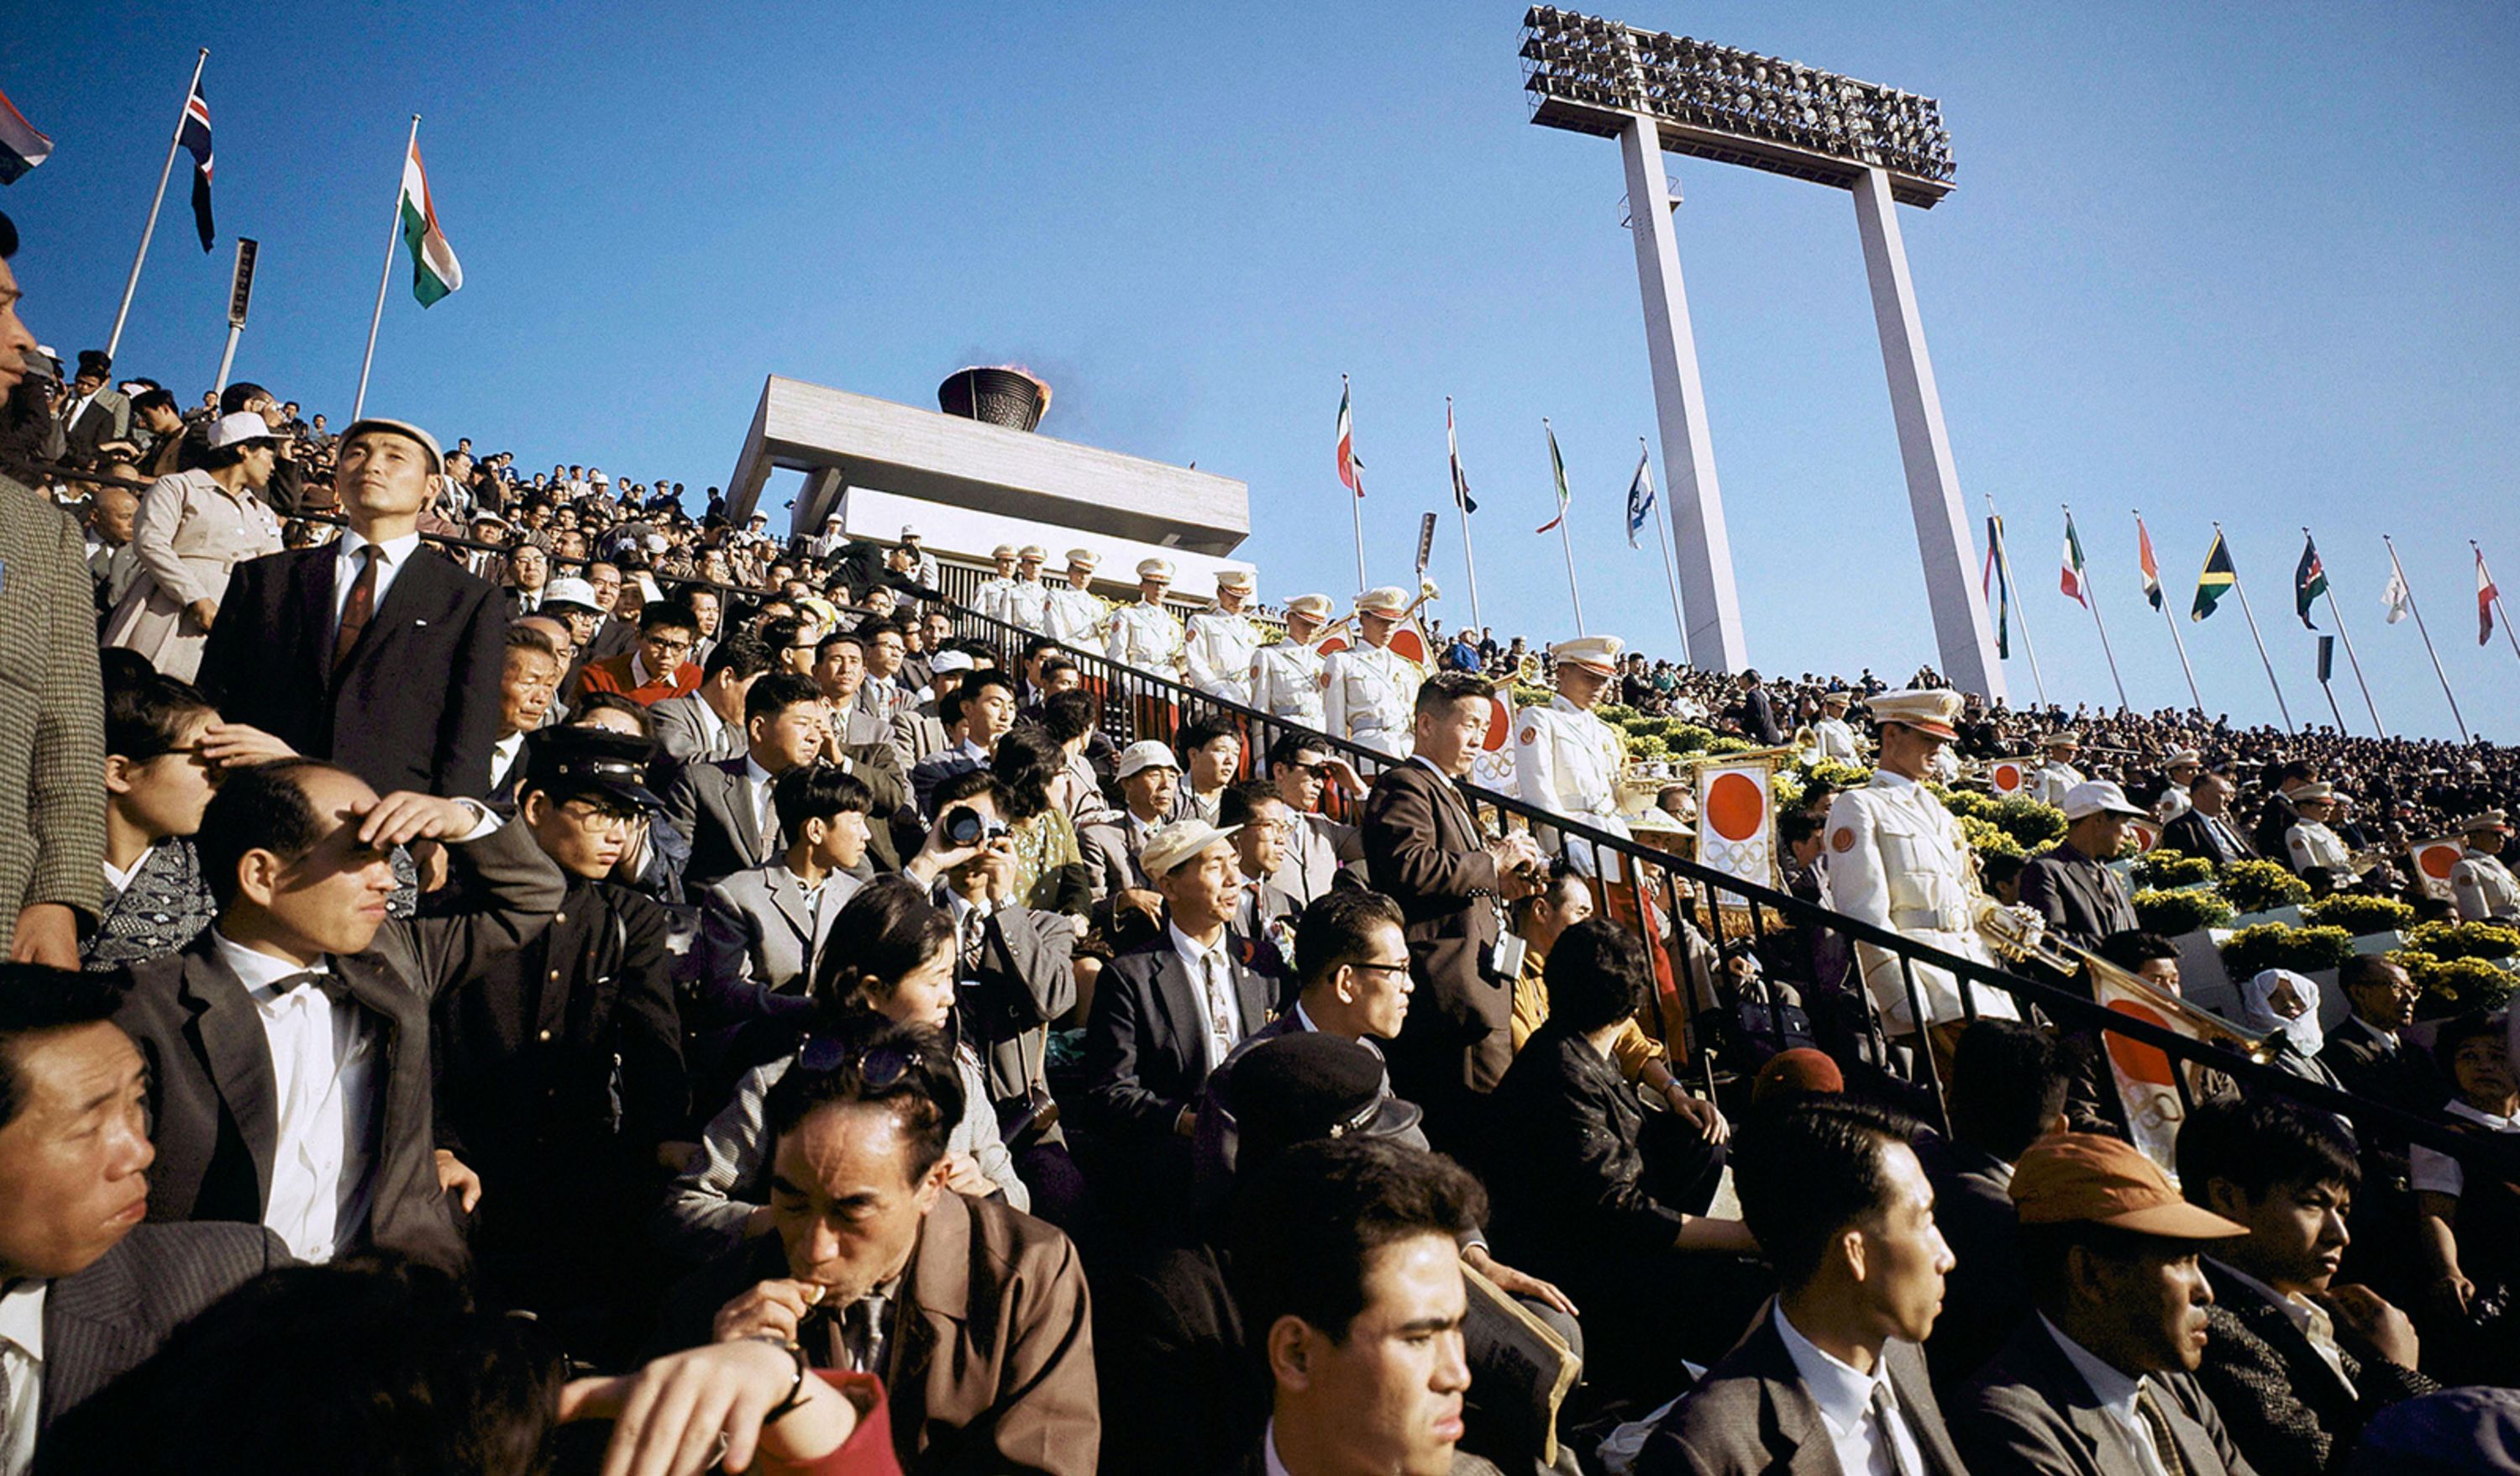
x=2218 y=577
x=2309 y=580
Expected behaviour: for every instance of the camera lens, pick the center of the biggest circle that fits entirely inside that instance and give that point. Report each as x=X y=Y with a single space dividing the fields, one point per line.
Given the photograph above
x=963 y=825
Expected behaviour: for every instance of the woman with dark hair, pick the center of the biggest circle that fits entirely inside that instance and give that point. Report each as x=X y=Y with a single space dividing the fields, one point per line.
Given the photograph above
x=2468 y=1220
x=1050 y=867
x=191 y=529
x=890 y=952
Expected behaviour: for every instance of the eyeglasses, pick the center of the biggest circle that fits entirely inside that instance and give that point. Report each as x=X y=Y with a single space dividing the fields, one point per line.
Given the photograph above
x=879 y=1070
x=597 y=820
x=1400 y=967
x=671 y=645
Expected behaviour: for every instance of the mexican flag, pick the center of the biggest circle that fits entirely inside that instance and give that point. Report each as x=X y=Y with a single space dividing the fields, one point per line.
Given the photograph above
x=434 y=271
x=2070 y=579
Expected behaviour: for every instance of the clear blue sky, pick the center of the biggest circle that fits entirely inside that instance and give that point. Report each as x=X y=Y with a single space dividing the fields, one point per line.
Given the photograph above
x=2218 y=262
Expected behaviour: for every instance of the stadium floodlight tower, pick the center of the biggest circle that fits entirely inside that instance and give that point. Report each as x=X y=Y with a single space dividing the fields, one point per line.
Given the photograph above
x=1656 y=93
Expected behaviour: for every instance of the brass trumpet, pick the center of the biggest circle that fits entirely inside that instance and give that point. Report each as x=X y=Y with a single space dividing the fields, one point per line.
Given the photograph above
x=2068 y=958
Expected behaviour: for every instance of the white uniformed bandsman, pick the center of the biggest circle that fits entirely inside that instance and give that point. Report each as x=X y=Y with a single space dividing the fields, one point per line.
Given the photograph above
x=1832 y=738
x=1076 y=614
x=1286 y=676
x=2181 y=771
x=990 y=598
x=1222 y=641
x=2480 y=883
x=1566 y=759
x=2058 y=774
x=1146 y=635
x=1897 y=860
x=1370 y=691
x=1027 y=601
x=2309 y=843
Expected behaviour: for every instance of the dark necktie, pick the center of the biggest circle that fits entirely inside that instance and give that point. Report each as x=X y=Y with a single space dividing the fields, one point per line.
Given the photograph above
x=326 y=982
x=862 y=1332
x=356 y=610
x=1885 y=1425
x=2162 y=1445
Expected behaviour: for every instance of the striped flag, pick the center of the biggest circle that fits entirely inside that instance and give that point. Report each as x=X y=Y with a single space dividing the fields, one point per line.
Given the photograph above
x=22 y=146
x=2219 y=576
x=2486 y=595
x=1997 y=589
x=2071 y=580
x=1351 y=472
x=434 y=271
x=2152 y=566
x=1557 y=470
x=195 y=136
x=2309 y=580
x=1461 y=498
x=1640 y=494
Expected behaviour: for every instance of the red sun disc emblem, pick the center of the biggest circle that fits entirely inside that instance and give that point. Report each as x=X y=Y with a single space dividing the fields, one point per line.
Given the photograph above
x=1736 y=807
x=2145 y=1064
x=2439 y=861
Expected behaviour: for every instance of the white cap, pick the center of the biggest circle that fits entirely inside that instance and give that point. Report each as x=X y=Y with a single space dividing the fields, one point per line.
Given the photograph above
x=1389 y=599
x=237 y=429
x=1155 y=569
x=1003 y=550
x=1084 y=558
x=1145 y=753
x=950 y=661
x=908 y=530
x=1178 y=843
x=576 y=592
x=1033 y=552
x=1598 y=653
x=1234 y=579
x=2098 y=796
x=1316 y=606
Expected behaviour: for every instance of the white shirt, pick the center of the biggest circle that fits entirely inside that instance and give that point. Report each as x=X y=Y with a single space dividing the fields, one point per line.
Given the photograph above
x=1845 y=1400
x=1205 y=965
x=392 y=556
x=117 y=882
x=503 y=757
x=22 y=1374
x=323 y=1064
x=2438 y=1171
x=2308 y=1317
x=1270 y=1463
x=2116 y=1393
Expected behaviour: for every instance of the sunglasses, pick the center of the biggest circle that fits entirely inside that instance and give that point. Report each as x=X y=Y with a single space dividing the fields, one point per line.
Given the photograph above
x=880 y=1068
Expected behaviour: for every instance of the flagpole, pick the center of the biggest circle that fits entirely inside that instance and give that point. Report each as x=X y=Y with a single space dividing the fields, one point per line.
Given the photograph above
x=2417 y=611
x=2091 y=598
x=2242 y=590
x=2003 y=566
x=2170 y=620
x=1669 y=580
x=2338 y=615
x=2498 y=598
x=1356 y=494
x=1568 y=544
x=1460 y=505
x=384 y=279
x=113 y=341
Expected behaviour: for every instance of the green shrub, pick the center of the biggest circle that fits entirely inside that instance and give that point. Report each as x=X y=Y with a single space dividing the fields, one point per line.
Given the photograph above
x=2272 y=945
x=2361 y=915
x=2454 y=985
x=1969 y=802
x=2256 y=886
x=2029 y=822
x=2171 y=914
x=1723 y=746
x=2465 y=940
x=1841 y=776
x=1645 y=745
x=2167 y=868
x=1989 y=838
x=1689 y=738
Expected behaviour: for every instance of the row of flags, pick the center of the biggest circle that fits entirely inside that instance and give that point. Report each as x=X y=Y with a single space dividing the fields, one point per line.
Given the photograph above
x=1351 y=470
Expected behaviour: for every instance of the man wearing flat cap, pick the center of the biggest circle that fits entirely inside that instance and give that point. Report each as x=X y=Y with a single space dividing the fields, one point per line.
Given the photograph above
x=365 y=650
x=2101 y=1379
x=1146 y=635
x=1075 y=614
x=2480 y=884
x=1222 y=641
x=1897 y=860
x=1370 y=691
x=1287 y=675
x=2072 y=885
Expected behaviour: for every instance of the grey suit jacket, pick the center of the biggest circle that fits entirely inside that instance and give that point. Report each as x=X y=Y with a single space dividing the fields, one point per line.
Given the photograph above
x=1111 y=851
x=756 y=925
x=711 y=803
x=1025 y=980
x=682 y=732
x=2030 y=1410
x=52 y=714
x=110 y=1318
x=2081 y=899
x=916 y=733
x=1752 y=1414
x=214 y=1113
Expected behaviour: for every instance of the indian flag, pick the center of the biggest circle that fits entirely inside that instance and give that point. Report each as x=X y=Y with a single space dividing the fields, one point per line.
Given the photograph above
x=434 y=271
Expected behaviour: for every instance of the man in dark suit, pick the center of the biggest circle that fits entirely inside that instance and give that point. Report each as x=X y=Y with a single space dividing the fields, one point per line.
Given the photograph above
x=1426 y=850
x=2007 y=1089
x=973 y=1313
x=2206 y=828
x=2295 y=1363
x=977 y=714
x=1832 y=1368
x=2373 y=1059
x=366 y=651
x=88 y=1286
x=1759 y=713
x=2071 y=886
x=723 y=806
x=99 y=415
x=302 y=982
x=1166 y=1013
x=2103 y=1379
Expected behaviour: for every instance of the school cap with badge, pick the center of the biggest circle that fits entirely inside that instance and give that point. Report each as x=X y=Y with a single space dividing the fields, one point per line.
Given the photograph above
x=592 y=763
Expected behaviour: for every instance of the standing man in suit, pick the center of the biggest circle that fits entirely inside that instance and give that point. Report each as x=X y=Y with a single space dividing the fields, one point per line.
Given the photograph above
x=2205 y=829
x=1426 y=850
x=52 y=710
x=2071 y=886
x=91 y=1292
x=2373 y=1059
x=2102 y=1379
x=362 y=652
x=1167 y=1011
x=99 y=415
x=723 y=806
x=708 y=721
x=1758 y=713
x=287 y=1044
x=1842 y=1209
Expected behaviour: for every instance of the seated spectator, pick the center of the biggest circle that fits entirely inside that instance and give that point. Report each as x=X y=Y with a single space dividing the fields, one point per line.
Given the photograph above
x=1069 y=719
x=1263 y=828
x=1541 y=919
x=295 y=855
x=658 y=666
x=1844 y=1212
x=2283 y=1007
x=528 y=683
x=2008 y=1091
x=2103 y=1379
x=890 y=955
x=723 y=806
x=2372 y=1060
x=2071 y=886
x=708 y=721
x=763 y=928
x=2091 y=1102
x=2295 y=1363
x=1211 y=750
x=2469 y=1229
x=1578 y=1200
x=1349 y=1281
x=979 y=712
x=1050 y=867
x=1315 y=852
x=973 y=1313
x=1126 y=907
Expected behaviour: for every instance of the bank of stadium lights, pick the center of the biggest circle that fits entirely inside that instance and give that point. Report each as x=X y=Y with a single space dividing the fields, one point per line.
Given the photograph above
x=1736 y=107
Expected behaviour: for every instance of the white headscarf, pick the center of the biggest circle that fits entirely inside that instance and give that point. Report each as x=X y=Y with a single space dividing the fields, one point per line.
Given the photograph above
x=2256 y=1014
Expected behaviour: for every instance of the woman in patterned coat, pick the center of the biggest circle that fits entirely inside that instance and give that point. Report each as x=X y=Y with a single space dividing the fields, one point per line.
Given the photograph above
x=194 y=527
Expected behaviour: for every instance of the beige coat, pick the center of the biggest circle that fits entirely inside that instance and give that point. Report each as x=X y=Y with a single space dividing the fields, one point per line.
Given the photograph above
x=189 y=534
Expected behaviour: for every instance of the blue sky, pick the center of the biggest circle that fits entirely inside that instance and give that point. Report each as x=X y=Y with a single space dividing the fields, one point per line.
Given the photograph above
x=2200 y=262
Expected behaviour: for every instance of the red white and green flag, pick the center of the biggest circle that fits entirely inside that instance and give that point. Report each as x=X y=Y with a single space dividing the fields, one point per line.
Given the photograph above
x=1556 y=469
x=2152 y=566
x=1350 y=470
x=434 y=271
x=2071 y=581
